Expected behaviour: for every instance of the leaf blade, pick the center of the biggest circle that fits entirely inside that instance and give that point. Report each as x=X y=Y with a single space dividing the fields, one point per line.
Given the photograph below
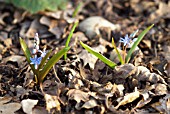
x=137 y=42
x=51 y=62
x=27 y=54
x=69 y=38
x=118 y=54
x=98 y=55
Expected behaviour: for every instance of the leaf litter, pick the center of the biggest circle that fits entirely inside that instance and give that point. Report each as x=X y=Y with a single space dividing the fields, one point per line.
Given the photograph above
x=82 y=83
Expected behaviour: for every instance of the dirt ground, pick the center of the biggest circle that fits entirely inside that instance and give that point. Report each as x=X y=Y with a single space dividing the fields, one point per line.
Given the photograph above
x=82 y=83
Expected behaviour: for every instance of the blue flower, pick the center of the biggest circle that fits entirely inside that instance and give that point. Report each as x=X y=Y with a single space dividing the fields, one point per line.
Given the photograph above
x=36 y=61
x=43 y=53
x=126 y=40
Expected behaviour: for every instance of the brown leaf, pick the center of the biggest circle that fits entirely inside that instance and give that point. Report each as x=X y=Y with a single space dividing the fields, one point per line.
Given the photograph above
x=90 y=104
x=54 y=26
x=163 y=106
x=14 y=58
x=161 y=11
x=78 y=95
x=128 y=98
x=35 y=27
x=28 y=105
x=8 y=108
x=52 y=102
x=91 y=26
x=39 y=110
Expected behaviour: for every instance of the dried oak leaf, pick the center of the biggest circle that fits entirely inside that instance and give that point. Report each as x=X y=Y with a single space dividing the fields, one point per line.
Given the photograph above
x=28 y=105
x=78 y=95
x=161 y=11
x=52 y=102
x=90 y=104
x=128 y=98
x=14 y=58
x=35 y=26
x=91 y=26
x=145 y=100
x=163 y=105
x=56 y=27
x=8 y=108
x=140 y=73
x=143 y=74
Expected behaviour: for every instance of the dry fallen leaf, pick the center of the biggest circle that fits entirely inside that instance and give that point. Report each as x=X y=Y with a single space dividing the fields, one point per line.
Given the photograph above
x=8 y=108
x=161 y=11
x=163 y=105
x=52 y=102
x=78 y=95
x=14 y=58
x=39 y=110
x=28 y=105
x=129 y=98
x=35 y=27
x=90 y=104
x=91 y=25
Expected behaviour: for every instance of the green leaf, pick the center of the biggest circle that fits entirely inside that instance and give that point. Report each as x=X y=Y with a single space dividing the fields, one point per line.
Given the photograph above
x=55 y=58
x=69 y=38
x=34 y=6
x=27 y=54
x=77 y=9
x=139 y=38
x=118 y=54
x=100 y=56
x=44 y=60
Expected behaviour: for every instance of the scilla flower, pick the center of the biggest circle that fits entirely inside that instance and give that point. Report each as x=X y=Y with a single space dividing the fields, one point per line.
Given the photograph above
x=43 y=53
x=36 y=61
x=126 y=40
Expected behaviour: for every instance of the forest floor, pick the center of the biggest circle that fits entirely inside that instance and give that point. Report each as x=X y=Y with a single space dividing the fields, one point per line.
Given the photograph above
x=82 y=83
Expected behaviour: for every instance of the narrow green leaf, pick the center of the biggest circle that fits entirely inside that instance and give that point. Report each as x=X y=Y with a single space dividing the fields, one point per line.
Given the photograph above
x=118 y=54
x=100 y=56
x=44 y=59
x=55 y=58
x=27 y=54
x=69 y=38
x=137 y=42
x=77 y=9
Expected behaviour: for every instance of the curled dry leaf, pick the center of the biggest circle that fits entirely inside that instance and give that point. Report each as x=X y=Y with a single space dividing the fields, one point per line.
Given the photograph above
x=140 y=73
x=159 y=89
x=52 y=102
x=90 y=104
x=129 y=98
x=54 y=26
x=28 y=105
x=161 y=11
x=78 y=95
x=35 y=27
x=8 y=108
x=145 y=100
x=163 y=105
x=143 y=74
x=14 y=58
x=123 y=71
x=91 y=26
